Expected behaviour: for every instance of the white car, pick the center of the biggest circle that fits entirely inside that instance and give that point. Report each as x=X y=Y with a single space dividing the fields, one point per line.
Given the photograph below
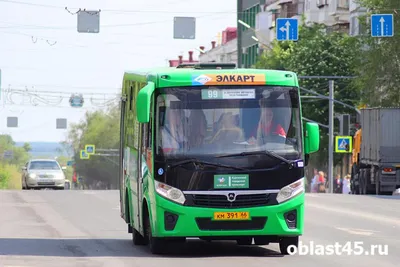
x=43 y=173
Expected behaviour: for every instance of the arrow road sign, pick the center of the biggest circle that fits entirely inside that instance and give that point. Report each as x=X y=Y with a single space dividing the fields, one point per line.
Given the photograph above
x=287 y=29
x=343 y=144
x=382 y=25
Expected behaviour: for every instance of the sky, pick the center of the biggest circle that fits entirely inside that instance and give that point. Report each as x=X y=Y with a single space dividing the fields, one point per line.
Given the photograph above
x=43 y=56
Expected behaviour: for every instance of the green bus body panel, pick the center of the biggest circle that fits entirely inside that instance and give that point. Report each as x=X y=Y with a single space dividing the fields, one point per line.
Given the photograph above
x=187 y=227
x=183 y=77
x=157 y=205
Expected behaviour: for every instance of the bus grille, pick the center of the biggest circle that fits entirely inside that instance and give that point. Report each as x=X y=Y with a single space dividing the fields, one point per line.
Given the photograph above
x=221 y=201
x=207 y=224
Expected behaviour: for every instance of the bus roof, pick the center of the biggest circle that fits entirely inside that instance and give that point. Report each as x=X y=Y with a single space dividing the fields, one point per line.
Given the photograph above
x=198 y=76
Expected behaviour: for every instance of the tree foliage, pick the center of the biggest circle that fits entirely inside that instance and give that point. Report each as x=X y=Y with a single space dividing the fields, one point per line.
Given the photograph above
x=318 y=53
x=99 y=128
x=379 y=74
x=10 y=167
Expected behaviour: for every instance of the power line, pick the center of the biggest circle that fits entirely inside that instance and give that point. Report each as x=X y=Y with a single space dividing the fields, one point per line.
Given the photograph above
x=117 y=10
x=53 y=98
x=52 y=42
x=58 y=92
x=30 y=87
x=156 y=11
x=42 y=27
x=115 y=25
x=111 y=10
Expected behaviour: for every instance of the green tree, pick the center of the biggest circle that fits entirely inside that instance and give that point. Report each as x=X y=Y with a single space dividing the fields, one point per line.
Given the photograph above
x=10 y=167
x=99 y=128
x=379 y=76
x=63 y=161
x=6 y=142
x=27 y=147
x=318 y=53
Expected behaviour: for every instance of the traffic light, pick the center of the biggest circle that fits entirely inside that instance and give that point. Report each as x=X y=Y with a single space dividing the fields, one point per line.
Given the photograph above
x=344 y=128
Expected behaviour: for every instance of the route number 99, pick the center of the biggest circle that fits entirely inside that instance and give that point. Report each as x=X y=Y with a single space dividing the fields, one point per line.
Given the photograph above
x=212 y=94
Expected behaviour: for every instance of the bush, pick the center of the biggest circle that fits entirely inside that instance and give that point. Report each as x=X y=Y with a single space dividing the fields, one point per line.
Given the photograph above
x=10 y=177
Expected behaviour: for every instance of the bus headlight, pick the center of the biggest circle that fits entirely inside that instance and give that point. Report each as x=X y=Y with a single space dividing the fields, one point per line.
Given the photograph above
x=290 y=191
x=170 y=192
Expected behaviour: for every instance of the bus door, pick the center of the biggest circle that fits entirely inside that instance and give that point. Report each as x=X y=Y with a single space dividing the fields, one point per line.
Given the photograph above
x=122 y=163
x=141 y=172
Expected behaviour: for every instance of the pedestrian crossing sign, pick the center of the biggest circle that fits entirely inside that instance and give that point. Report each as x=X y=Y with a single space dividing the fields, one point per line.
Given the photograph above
x=90 y=149
x=343 y=144
x=84 y=155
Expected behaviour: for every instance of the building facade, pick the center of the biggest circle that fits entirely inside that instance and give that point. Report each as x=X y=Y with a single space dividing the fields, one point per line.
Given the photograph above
x=248 y=47
x=226 y=52
x=180 y=60
x=261 y=15
x=356 y=11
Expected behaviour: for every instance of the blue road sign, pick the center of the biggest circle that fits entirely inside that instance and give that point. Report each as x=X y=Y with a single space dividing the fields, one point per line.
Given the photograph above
x=287 y=29
x=382 y=25
x=343 y=144
x=76 y=100
x=90 y=149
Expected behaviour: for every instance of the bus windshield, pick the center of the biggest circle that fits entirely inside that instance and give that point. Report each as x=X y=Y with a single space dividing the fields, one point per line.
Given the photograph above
x=224 y=120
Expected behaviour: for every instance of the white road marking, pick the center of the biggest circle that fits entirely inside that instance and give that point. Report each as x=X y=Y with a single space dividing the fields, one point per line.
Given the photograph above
x=357 y=231
x=88 y=192
x=366 y=215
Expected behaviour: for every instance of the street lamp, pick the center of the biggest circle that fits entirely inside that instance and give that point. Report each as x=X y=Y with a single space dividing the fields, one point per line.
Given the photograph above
x=255 y=31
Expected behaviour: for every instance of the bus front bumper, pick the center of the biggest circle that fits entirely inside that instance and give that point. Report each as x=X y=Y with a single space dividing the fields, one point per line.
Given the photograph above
x=174 y=220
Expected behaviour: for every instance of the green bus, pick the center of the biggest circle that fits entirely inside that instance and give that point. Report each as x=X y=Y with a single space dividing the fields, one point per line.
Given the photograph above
x=214 y=152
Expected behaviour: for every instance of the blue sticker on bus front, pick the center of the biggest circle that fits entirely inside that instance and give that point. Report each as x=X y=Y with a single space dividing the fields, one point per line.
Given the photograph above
x=160 y=171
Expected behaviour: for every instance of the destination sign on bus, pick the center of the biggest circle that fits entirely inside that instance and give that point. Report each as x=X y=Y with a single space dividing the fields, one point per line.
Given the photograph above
x=207 y=94
x=228 y=79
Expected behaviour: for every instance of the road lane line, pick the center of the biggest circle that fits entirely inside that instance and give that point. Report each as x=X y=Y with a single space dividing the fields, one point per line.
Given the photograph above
x=369 y=216
x=357 y=231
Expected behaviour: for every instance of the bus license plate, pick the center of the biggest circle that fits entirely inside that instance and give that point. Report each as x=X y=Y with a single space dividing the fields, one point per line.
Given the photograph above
x=224 y=216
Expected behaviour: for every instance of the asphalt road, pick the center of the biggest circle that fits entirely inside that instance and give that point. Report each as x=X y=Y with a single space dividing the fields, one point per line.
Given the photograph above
x=83 y=228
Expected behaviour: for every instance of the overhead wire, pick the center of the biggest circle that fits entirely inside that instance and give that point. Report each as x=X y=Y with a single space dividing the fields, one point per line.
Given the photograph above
x=53 y=100
x=42 y=27
x=146 y=11
x=59 y=93
x=109 y=10
x=53 y=42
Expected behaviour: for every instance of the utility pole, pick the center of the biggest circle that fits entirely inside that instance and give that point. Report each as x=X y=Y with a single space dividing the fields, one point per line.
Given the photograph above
x=331 y=116
x=331 y=137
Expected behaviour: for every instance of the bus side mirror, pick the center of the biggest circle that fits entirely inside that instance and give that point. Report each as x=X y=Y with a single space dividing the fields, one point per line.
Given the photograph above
x=311 y=140
x=143 y=103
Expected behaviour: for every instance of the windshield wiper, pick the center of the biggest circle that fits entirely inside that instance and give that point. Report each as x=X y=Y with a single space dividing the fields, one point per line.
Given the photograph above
x=261 y=152
x=186 y=161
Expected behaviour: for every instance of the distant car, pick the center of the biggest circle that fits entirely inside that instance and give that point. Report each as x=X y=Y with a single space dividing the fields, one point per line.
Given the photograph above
x=43 y=173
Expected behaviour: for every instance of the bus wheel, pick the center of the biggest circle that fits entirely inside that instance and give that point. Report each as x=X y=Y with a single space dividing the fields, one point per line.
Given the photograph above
x=156 y=245
x=287 y=244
